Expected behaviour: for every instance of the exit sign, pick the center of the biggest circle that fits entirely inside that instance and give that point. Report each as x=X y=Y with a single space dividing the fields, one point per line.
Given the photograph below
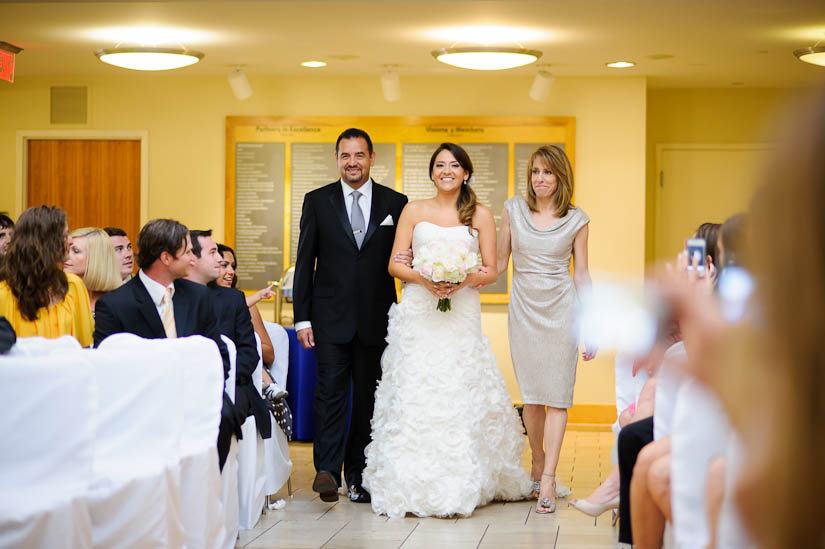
x=6 y=66
x=7 y=53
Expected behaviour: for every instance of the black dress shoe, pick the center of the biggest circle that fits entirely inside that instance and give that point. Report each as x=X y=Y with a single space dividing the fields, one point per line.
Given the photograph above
x=358 y=494
x=326 y=486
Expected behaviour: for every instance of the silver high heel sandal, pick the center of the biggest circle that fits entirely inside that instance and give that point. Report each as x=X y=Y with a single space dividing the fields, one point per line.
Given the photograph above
x=545 y=506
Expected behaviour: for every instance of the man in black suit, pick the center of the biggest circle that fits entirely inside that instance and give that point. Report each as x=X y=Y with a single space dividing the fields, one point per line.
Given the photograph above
x=159 y=303
x=342 y=293
x=234 y=322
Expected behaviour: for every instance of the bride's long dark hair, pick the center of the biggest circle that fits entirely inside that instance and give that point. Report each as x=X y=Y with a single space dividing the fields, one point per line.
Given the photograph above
x=466 y=203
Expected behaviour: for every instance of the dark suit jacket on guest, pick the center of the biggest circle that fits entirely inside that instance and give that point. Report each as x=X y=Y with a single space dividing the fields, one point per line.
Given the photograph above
x=130 y=309
x=235 y=322
x=348 y=290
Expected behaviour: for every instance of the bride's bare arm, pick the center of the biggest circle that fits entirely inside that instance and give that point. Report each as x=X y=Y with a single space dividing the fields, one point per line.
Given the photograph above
x=403 y=241
x=486 y=225
x=504 y=246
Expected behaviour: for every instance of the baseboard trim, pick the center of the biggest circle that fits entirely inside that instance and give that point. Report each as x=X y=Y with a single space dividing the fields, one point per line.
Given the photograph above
x=602 y=414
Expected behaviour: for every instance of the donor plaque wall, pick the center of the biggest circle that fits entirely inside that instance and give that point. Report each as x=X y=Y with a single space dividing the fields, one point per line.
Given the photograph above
x=272 y=162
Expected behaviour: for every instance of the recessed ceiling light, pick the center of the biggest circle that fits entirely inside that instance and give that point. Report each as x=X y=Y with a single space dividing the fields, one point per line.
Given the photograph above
x=486 y=58
x=814 y=55
x=620 y=64
x=314 y=64
x=149 y=59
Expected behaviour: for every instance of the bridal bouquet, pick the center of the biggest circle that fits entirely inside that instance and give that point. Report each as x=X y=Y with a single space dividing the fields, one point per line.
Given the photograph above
x=445 y=261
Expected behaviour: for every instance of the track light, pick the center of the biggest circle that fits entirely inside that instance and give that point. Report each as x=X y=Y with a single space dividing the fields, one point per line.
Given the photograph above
x=239 y=84
x=390 y=85
x=541 y=86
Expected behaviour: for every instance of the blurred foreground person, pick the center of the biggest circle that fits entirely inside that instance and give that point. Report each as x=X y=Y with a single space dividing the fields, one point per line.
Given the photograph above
x=769 y=370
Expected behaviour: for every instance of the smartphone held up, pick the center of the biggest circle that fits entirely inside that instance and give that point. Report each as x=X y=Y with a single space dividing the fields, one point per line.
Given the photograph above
x=696 y=253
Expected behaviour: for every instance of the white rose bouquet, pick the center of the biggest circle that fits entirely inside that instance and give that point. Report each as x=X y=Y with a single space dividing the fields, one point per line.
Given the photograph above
x=445 y=261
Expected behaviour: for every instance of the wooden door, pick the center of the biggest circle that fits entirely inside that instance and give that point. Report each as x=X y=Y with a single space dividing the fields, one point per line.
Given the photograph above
x=703 y=183
x=96 y=181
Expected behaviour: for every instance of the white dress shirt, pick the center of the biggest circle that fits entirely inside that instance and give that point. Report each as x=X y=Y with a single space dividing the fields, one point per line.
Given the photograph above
x=156 y=290
x=365 y=203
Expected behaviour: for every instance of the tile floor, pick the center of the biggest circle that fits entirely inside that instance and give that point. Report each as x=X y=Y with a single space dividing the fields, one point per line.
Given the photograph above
x=308 y=522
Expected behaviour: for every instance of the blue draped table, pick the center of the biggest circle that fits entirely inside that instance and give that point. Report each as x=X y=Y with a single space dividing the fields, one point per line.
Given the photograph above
x=300 y=383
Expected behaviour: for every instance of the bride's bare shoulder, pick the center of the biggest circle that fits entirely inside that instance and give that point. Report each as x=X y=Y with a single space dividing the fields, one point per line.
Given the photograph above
x=416 y=210
x=482 y=214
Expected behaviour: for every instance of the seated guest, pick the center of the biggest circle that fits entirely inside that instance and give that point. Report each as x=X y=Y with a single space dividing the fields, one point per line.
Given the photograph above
x=160 y=303
x=228 y=279
x=92 y=258
x=7 y=336
x=6 y=230
x=235 y=323
x=123 y=251
x=650 y=484
x=36 y=296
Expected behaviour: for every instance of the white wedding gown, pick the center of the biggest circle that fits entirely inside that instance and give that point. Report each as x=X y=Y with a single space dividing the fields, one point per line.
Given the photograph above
x=445 y=436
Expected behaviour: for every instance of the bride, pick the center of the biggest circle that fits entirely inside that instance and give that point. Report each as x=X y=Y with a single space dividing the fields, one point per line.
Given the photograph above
x=445 y=436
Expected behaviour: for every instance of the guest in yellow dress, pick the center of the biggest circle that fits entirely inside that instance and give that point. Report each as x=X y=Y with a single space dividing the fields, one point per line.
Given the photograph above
x=36 y=296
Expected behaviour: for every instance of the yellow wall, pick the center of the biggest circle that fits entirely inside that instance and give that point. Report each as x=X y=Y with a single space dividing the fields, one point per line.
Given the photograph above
x=715 y=115
x=184 y=117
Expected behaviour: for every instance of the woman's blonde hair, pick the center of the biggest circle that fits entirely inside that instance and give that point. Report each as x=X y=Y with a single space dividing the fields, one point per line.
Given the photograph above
x=102 y=270
x=554 y=158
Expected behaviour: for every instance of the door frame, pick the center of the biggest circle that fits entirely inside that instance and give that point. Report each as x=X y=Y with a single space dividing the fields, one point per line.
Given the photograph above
x=23 y=137
x=661 y=148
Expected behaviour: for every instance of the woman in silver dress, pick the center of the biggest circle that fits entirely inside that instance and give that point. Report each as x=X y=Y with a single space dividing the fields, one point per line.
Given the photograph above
x=543 y=231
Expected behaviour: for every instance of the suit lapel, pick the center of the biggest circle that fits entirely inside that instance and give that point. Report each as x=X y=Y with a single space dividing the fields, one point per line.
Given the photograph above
x=147 y=309
x=336 y=197
x=378 y=211
x=181 y=310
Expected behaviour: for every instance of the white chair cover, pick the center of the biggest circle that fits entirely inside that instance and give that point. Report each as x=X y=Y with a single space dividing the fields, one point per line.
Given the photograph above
x=201 y=509
x=251 y=457
x=229 y=496
x=229 y=474
x=38 y=346
x=280 y=344
x=135 y=496
x=277 y=464
x=628 y=388
x=46 y=457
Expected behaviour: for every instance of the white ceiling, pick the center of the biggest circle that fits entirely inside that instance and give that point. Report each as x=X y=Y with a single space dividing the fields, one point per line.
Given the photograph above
x=713 y=43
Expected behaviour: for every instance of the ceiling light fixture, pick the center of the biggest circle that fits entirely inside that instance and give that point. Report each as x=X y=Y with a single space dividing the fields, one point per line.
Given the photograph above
x=390 y=84
x=814 y=55
x=540 y=89
x=314 y=64
x=239 y=84
x=149 y=58
x=621 y=64
x=486 y=58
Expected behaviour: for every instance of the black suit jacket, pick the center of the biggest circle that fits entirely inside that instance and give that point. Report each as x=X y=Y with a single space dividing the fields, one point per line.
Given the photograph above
x=342 y=290
x=130 y=309
x=234 y=322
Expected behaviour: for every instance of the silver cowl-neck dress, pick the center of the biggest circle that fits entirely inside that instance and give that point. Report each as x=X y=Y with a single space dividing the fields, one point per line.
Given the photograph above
x=541 y=318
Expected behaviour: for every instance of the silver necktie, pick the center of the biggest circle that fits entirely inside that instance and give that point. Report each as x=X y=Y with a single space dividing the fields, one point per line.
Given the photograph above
x=359 y=227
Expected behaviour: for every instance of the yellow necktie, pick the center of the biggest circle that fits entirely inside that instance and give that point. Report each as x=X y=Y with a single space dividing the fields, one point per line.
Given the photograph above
x=168 y=315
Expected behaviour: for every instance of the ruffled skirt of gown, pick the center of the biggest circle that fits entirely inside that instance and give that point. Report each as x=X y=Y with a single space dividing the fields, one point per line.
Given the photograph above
x=445 y=436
